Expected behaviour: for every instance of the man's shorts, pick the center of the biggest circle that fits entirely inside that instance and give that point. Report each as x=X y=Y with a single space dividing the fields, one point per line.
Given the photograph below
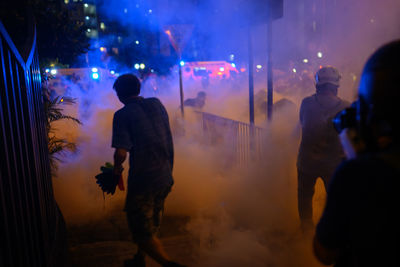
x=144 y=213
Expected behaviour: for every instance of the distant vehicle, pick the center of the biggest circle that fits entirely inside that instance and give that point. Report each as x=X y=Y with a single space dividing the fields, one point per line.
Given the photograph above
x=199 y=70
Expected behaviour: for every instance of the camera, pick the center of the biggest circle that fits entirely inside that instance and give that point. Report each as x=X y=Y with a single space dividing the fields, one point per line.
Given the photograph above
x=346 y=118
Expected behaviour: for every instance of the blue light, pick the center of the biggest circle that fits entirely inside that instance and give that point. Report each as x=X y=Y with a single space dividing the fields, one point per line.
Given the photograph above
x=182 y=63
x=233 y=65
x=95 y=75
x=95 y=69
x=112 y=72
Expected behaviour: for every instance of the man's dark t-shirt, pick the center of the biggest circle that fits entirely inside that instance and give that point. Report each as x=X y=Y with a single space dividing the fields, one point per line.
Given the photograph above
x=142 y=128
x=361 y=215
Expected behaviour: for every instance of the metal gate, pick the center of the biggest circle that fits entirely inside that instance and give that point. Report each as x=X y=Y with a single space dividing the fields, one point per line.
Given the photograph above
x=32 y=230
x=243 y=141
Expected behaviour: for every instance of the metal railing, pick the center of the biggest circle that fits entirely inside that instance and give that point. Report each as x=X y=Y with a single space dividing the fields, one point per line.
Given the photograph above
x=242 y=141
x=31 y=226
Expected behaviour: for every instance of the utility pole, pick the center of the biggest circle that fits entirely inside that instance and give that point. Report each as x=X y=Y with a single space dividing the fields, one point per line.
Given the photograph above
x=251 y=76
x=270 y=88
x=181 y=87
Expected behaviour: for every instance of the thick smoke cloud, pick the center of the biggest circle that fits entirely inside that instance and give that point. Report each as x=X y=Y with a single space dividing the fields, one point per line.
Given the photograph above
x=239 y=216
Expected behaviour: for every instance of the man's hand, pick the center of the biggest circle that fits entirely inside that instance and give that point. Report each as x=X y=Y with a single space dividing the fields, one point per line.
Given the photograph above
x=119 y=158
x=117 y=176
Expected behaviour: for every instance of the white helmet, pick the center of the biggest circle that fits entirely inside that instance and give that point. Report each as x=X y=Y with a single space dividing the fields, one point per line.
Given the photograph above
x=327 y=74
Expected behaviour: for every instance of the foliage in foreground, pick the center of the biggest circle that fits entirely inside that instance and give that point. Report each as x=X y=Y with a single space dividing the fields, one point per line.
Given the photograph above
x=54 y=111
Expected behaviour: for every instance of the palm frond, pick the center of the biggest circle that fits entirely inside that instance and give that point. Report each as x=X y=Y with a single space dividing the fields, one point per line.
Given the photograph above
x=57 y=147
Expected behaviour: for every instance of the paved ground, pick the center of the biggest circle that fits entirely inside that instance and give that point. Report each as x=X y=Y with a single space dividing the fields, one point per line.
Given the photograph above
x=107 y=242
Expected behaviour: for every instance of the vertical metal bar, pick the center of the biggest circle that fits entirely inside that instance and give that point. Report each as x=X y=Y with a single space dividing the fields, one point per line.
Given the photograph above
x=251 y=75
x=13 y=175
x=40 y=175
x=270 y=89
x=181 y=89
x=30 y=210
x=18 y=161
x=7 y=207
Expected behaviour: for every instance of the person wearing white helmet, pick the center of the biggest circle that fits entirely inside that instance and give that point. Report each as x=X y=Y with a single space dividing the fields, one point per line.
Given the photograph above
x=320 y=149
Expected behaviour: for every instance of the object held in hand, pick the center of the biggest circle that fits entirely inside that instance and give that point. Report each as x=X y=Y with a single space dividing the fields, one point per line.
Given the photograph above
x=107 y=180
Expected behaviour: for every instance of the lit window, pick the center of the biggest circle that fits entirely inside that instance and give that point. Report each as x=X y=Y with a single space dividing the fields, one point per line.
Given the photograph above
x=66 y=2
x=259 y=67
x=102 y=26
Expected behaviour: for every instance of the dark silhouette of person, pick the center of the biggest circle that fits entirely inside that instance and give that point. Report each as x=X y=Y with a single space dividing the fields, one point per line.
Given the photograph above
x=198 y=102
x=360 y=225
x=142 y=128
x=320 y=150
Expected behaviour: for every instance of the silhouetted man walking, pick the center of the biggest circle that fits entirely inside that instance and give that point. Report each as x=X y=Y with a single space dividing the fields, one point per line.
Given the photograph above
x=141 y=128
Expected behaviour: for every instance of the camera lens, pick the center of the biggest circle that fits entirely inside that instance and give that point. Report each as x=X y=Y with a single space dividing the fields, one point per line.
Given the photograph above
x=345 y=119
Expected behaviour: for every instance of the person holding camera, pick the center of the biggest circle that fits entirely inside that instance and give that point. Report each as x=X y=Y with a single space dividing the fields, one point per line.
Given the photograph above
x=320 y=151
x=360 y=225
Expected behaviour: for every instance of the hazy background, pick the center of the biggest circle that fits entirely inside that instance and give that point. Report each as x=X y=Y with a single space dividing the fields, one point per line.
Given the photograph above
x=240 y=216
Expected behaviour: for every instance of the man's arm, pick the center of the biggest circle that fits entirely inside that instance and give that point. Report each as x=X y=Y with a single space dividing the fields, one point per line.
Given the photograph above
x=119 y=158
